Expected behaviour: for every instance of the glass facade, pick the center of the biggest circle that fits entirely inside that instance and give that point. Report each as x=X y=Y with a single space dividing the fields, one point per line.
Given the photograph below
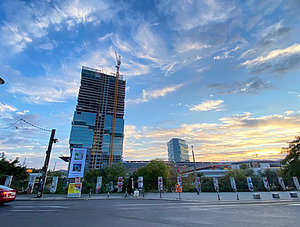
x=178 y=150
x=82 y=130
x=119 y=134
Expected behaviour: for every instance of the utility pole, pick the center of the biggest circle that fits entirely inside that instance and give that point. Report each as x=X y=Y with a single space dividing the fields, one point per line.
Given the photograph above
x=45 y=167
x=195 y=169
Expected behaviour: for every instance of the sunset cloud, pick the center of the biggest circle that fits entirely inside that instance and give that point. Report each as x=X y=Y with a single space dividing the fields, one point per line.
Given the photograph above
x=216 y=105
x=237 y=137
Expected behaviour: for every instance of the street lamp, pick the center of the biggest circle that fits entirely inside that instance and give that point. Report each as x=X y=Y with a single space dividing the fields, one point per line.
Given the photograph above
x=1 y=81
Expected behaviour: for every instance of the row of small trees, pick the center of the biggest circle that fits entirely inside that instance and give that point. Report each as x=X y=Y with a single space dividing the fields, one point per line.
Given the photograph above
x=156 y=168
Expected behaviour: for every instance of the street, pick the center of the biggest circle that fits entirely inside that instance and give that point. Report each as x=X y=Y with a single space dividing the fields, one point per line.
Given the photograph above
x=139 y=212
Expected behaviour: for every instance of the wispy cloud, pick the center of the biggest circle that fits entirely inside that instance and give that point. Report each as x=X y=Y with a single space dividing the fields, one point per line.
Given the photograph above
x=216 y=105
x=155 y=94
x=250 y=86
x=280 y=60
x=190 y=14
x=227 y=53
x=38 y=17
x=6 y=110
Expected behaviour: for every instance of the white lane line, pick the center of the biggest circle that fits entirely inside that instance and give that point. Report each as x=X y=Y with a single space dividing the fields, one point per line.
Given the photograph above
x=60 y=207
x=294 y=204
x=33 y=210
x=144 y=204
x=21 y=210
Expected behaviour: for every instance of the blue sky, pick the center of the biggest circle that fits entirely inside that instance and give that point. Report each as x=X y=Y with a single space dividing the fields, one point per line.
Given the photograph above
x=223 y=75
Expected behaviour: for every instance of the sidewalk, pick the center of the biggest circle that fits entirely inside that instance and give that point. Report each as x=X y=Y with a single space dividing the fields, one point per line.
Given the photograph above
x=186 y=196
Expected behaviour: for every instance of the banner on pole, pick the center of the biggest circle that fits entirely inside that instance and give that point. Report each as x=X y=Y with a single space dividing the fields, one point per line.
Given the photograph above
x=233 y=184
x=77 y=162
x=141 y=183
x=216 y=184
x=8 y=181
x=74 y=190
x=30 y=184
x=266 y=183
x=296 y=182
x=160 y=184
x=281 y=182
x=198 y=184
x=120 y=184
x=99 y=184
x=250 y=184
x=179 y=182
x=54 y=184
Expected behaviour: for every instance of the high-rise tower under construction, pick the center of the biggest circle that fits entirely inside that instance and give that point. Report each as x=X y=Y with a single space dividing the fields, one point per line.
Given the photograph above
x=93 y=121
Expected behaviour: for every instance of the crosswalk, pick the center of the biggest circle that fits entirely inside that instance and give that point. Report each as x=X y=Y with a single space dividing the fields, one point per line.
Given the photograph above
x=36 y=208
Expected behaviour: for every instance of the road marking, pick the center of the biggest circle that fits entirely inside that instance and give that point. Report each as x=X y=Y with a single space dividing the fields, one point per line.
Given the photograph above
x=41 y=206
x=294 y=204
x=22 y=210
x=33 y=210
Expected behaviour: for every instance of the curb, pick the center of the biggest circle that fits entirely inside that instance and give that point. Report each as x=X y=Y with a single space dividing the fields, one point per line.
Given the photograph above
x=165 y=199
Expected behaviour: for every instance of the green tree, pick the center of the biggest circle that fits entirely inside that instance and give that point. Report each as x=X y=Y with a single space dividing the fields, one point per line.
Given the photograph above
x=89 y=180
x=272 y=179
x=291 y=163
x=20 y=176
x=154 y=169
x=239 y=177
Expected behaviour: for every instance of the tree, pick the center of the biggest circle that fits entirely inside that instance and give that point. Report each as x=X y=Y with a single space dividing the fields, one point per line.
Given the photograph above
x=154 y=169
x=13 y=168
x=291 y=163
x=89 y=180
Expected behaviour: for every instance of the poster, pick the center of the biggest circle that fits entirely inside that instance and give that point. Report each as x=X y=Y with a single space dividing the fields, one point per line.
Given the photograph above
x=296 y=182
x=160 y=183
x=8 y=181
x=281 y=182
x=98 y=184
x=141 y=183
x=74 y=190
x=120 y=184
x=250 y=184
x=266 y=183
x=233 y=184
x=76 y=168
x=216 y=184
x=54 y=184
x=198 y=184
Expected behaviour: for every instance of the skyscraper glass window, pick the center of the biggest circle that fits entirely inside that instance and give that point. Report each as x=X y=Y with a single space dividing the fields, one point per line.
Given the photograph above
x=92 y=121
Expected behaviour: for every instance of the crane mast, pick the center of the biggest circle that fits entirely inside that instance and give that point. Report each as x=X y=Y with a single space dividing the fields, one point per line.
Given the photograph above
x=112 y=138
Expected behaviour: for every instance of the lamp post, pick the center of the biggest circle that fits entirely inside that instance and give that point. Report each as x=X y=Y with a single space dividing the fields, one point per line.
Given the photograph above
x=2 y=81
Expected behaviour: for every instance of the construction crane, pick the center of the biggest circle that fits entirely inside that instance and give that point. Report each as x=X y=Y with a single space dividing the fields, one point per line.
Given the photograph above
x=112 y=138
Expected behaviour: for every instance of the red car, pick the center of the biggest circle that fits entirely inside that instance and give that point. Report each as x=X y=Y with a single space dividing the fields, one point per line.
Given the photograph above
x=7 y=194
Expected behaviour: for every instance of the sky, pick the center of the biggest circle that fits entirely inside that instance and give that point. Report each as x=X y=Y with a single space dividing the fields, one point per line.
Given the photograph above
x=222 y=75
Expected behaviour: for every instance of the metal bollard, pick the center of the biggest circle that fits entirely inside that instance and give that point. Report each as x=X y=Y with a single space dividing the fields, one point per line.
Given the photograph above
x=256 y=196
x=293 y=194
x=275 y=196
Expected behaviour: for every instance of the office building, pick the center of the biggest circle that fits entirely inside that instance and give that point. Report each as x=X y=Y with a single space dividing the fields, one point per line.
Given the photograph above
x=178 y=150
x=93 y=118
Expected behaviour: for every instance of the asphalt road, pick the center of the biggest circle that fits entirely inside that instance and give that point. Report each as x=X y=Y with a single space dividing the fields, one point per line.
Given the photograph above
x=138 y=212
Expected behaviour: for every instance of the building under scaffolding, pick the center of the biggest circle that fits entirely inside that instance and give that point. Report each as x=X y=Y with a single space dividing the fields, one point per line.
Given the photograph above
x=92 y=125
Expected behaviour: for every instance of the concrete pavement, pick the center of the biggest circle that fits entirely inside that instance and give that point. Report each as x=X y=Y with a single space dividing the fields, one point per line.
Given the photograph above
x=138 y=212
